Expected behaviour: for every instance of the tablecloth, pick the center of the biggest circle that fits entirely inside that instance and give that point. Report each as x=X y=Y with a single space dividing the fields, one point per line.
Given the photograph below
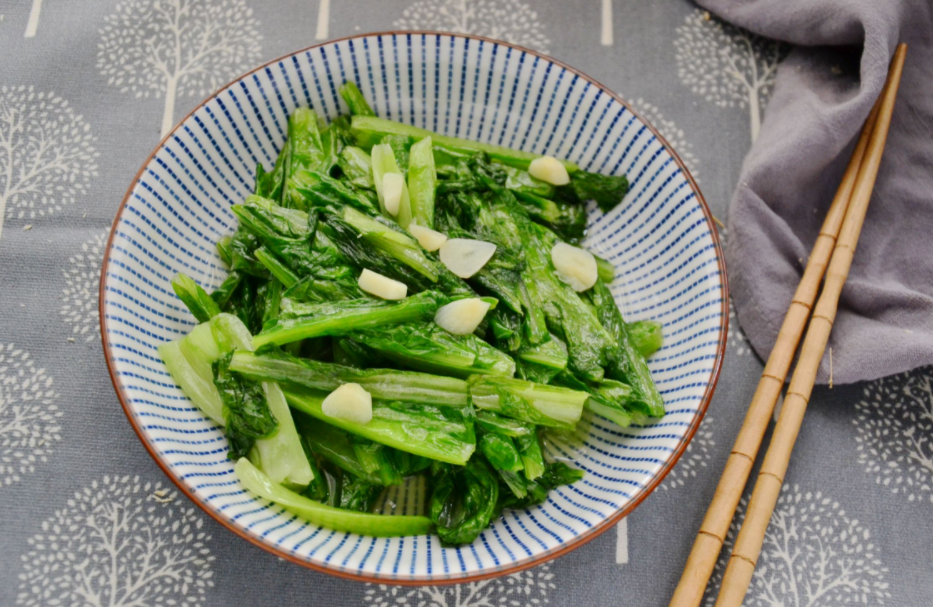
x=86 y=516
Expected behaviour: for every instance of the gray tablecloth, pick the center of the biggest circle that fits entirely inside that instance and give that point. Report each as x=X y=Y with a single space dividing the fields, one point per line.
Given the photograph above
x=87 y=518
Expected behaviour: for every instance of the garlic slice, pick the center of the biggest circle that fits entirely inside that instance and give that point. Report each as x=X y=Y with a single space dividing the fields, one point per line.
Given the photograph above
x=465 y=257
x=549 y=169
x=392 y=186
x=575 y=266
x=461 y=317
x=381 y=286
x=430 y=239
x=349 y=402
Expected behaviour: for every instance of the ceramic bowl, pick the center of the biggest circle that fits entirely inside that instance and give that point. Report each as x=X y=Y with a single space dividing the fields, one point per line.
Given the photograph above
x=661 y=240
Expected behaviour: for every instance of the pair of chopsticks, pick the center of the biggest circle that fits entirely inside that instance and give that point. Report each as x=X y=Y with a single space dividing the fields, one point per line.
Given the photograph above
x=832 y=254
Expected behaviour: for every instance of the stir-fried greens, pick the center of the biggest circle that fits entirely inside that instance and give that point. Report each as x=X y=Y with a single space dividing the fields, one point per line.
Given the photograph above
x=405 y=304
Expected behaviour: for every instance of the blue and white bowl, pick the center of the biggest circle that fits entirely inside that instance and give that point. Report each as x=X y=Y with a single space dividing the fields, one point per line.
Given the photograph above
x=661 y=240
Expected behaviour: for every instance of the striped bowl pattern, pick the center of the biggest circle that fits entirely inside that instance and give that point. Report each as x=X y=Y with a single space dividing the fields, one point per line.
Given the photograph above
x=661 y=241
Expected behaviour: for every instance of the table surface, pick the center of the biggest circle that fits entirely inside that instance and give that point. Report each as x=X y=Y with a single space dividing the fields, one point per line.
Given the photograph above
x=86 y=516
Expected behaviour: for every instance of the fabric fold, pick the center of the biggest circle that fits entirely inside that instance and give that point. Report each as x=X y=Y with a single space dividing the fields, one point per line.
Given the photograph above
x=823 y=93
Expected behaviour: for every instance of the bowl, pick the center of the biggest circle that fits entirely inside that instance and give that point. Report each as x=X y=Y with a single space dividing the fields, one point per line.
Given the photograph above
x=661 y=240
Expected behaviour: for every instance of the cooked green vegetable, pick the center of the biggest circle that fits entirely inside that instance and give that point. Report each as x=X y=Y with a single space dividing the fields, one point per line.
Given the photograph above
x=526 y=493
x=458 y=415
x=463 y=500
x=426 y=347
x=301 y=321
x=646 y=336
x=256 y=414
x=626 y=364
x=370 y=129
x=369 y=461
x=536 y=403
x=202 y=307
x=354 y=98
x=439 y=433
x=246 y=411
x=605 y=190
x=317 y=513
x=384 y=384
x=422 y=181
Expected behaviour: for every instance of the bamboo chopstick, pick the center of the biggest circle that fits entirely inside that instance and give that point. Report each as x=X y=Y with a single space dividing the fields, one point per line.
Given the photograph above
x=712 y=534
x=748 y=544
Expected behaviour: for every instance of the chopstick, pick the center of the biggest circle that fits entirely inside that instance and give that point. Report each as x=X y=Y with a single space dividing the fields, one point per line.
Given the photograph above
x=713 y=530
x=748 y=544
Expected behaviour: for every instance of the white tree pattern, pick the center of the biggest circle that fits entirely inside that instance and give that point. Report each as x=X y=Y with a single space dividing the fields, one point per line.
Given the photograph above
x=622 y=542
x=118 y=543
x=674 y=135
x=736 y=341
x=173 y=48
x=606 y=37
x=510 y=20
x=47 y=158
x=29 y=417
x=79 y=297
x=33 y=23
x=814 y=555
x=526 y=589
x=695 y=458
x=895 y=433
x=727 y=66
x=323 y=20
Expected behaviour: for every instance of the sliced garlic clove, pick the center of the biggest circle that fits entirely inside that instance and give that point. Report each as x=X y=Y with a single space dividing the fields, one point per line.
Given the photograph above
x=575 y=266
x=392 y=186
x=461 y=317
x=549 y=169
x=382 y=286
x=349 y=402
x=430 y=239
x=465 y=257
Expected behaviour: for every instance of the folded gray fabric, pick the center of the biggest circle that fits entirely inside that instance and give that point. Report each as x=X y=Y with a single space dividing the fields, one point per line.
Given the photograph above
x=824 y=91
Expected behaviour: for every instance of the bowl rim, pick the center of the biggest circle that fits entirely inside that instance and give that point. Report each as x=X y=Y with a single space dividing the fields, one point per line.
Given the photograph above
x=448 y=579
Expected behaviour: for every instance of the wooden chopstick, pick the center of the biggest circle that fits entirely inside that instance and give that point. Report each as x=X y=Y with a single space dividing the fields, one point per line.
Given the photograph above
x=712 y=534
x=748 y=544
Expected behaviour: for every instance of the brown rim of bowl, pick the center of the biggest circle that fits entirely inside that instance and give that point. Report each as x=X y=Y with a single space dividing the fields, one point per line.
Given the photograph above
x=574 y=543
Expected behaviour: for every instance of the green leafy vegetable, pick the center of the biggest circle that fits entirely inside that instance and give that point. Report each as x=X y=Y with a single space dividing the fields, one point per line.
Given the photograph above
x=439 y=433
x=301 y=321
x=330 y=517
x=459 y=415
x=463 y=501
x=646 y=336
x=202 y=307
x=355 y=100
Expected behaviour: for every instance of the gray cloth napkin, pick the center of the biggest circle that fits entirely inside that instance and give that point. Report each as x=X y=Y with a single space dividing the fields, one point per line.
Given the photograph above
x=823 y=92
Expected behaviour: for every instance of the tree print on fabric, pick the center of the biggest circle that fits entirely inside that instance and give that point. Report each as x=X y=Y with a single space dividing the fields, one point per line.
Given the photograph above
x=323 y=20
x=527 y=588
x=510 y=20
x=814 y=555
x=119 y=543
x=736 y=341
x=674 y=135
x=171 y=48
x=895 y=433
x=727 y=66
x=695 y=458
x=82 y=279
x=29 y=417
x=622 y=542
x=606 y=35
x=47 y=159
x=33 y=24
